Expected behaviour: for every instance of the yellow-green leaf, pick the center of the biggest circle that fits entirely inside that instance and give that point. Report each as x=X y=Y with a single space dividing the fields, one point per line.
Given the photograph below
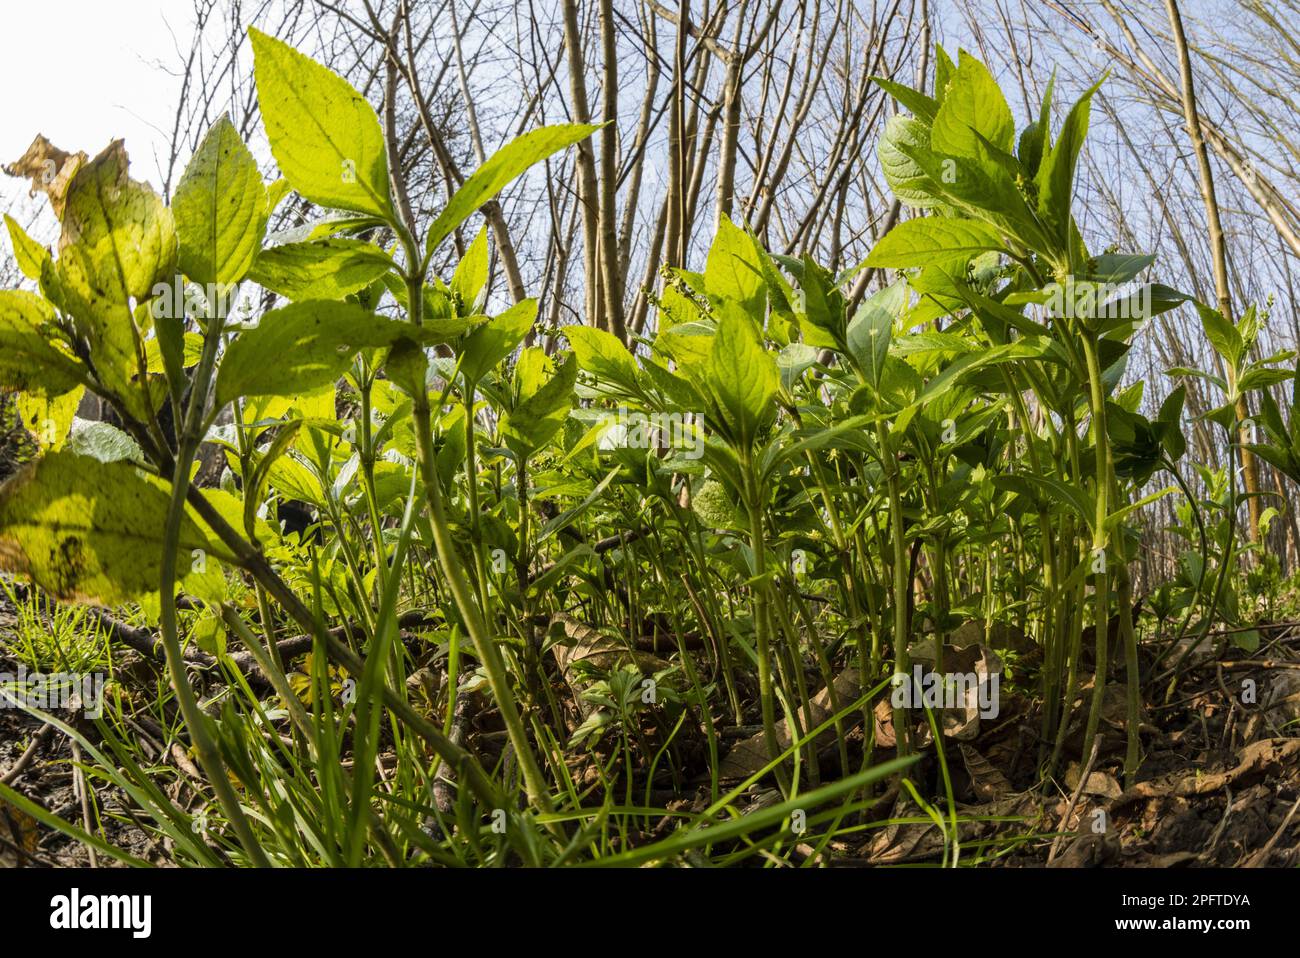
x=220 y=209
x=499 y=169
x=90 y=531
x=324 y=135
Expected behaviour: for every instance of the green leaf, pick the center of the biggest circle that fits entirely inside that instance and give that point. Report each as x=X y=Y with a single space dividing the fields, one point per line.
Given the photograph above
x=931 y=241
x=1223 y=336
x=29 y=361
x=973 y=105
x=118 y=246
x=1055 y=178
x=1034 y=138
x=329 y=269
x=324 y=135
x=979 y=190
x=872 y=327
x=923 y=106
x=472 y=271
x=104 y=442
x=912 y=185
x=742 y=378
x=30 y=255
x=532 y=423
x=220 y=209
x=603 y=355
x=1199 y=374
x=499 y=170
x=408 y=367
x=732 y=270
x=1031 y=348
x=944 y=70
x=793 y=361
x=89 y=531
x=496 y=339
x=1261 y=377
x=48 y=418
x=1055 y=490
x=301 y=347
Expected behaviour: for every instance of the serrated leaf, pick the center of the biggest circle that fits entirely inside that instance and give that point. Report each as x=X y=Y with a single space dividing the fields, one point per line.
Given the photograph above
x=301 y=347
x=499 y=170
x=973 y=106
x=931 y=241
x=103 y=441
x=29 y=360
x=30 y=255
x=742 y=377
x=89 y=531
x=603 y=355
x=1223 y=336
x=472 y=271
x=329 y=269
x=923 y=106
x=49 y=418
x=908 y=181
x=532 y=423
x=118 y=247
x=1055 y=177
x=220 y=209
x=496 y=339
x=871 y=330
x=732 y=269
x=324 y=135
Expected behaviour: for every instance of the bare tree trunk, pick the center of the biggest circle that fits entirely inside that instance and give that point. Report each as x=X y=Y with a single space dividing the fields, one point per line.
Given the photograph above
x=1218 y=247
x=611 y=278
x=588 y=192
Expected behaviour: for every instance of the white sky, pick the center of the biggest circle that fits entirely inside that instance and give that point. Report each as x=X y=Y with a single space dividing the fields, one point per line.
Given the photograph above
x=84 y=72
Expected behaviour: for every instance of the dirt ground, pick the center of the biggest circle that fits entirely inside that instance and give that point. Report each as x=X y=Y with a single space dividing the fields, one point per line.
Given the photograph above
x=1219 y=784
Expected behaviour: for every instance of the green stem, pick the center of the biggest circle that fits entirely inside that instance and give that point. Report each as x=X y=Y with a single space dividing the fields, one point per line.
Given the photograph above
x=1101 y=615
x=454 y=570
x=208 y=754
x=766 y=697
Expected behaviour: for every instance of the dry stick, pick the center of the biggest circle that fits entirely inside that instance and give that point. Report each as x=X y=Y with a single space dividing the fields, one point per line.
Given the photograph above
x=80 y=787
x=1267 y=196
x=147 y=643
x=1074 y=800
x=1260 y=858
x=39 y=739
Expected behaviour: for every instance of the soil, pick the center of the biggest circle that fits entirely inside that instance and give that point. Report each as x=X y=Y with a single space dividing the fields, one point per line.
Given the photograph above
x=1219 y=782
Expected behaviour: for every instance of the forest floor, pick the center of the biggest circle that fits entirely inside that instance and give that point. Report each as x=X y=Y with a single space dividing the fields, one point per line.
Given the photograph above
x=1218 y=785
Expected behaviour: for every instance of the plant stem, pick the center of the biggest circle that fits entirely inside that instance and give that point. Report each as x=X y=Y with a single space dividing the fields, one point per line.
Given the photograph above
x=1101 y=615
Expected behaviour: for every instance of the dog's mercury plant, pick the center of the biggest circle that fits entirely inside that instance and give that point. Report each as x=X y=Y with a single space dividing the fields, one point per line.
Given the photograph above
x=799 y=463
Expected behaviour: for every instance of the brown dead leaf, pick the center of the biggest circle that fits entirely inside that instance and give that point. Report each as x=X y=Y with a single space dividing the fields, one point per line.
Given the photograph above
x=904 y=841
x=750 y=755
x=19 y=834
x=963 y=721
x=50 y=169
x=988 y=782
x=589 y=646
x=1099 y=783
x=1089 y=851
x=1268 y=756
